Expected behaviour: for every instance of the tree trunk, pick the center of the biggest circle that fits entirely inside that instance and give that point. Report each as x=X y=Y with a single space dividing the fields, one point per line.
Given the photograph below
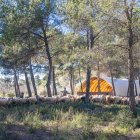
x=129 y=14
x=112 y=80
x=72 y=84
x=54 y=82
x=80 y=78
x=88 y=83
x=131 y=86
x=128 y=89
x=73 y=81
x=27 y=84
x=139 y=81
x=48 y=84
x=15 y=86
x=90 y=44
x=128 y=80
x=136 y=89
x=33 y=82
x=17 y=89
x=98 y=77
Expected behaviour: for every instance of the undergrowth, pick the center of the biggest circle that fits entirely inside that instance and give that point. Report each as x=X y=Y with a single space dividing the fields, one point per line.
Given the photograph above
x=72 y=121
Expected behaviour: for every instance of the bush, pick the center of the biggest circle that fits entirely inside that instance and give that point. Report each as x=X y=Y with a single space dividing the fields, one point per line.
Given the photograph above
x=106 y=116
x=10 y=95
x=33 y=120
x=125 y=119
x=31 y=129
x=138 y=122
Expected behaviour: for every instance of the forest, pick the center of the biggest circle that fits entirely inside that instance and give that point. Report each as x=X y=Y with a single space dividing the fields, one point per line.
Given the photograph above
x=69 y=69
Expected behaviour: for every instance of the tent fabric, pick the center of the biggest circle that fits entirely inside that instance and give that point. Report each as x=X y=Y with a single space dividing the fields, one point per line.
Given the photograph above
x=121 y=86
x=105 y=87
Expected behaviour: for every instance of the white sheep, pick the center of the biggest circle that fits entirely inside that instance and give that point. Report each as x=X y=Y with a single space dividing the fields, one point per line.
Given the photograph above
x=51 y=99
x=125 y=100
x=103 y=98
x=42 y=99
x=24 y=100
x=65 y=99
x=117 y=99
x=72 y=98
x=137 y=99
x=4 y=102
x=15 y=101
x=32 y=100
x=97 y=98
x=108 y=99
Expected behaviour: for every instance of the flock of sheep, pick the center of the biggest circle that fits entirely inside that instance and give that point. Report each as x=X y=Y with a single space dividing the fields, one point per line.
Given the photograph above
x=105 y=99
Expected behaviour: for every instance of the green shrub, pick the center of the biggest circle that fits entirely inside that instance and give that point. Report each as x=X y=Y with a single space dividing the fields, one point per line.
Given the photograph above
x=44 y=110
x=32 y=119
x=125 y=119
x=10 y=119
x=138 y=122
x=31 y=129
x=106 y=116
x=2 y=128
x=10 y=95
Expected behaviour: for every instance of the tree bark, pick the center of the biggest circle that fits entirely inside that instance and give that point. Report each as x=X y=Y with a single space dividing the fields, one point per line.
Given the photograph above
x=139 y=81
x=112 y=80
x=80 y=78
x=54 y=82
x=131 y=87
x=17 y=89
x=48 y=84
x=128 y=89
x=33 y=82
x=136 y=92
x=27 y=84
x=129 y=14
x=98 y=77
x=72 y=84
x=15 y=86
x=88 y=83
x=90 y=44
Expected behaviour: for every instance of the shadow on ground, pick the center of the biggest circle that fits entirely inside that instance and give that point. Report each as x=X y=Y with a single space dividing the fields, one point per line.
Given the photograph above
x=20 y=131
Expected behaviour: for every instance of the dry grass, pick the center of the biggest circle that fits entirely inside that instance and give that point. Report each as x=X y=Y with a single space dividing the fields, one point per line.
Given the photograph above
x=68 y=121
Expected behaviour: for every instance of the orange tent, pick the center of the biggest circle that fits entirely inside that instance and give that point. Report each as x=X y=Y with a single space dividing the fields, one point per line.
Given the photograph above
x=105 y=87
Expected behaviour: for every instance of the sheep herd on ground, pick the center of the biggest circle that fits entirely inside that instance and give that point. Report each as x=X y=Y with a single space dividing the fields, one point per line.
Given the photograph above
x=104 y=99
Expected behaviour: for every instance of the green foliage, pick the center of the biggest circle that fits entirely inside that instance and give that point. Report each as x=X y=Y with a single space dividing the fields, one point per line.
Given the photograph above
x=29 y=26
x=10 y=95
x=71 y=121
x=37 y=80
x=107 y=116
x=3 y=135
x=31 y=129
x=125 y=119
